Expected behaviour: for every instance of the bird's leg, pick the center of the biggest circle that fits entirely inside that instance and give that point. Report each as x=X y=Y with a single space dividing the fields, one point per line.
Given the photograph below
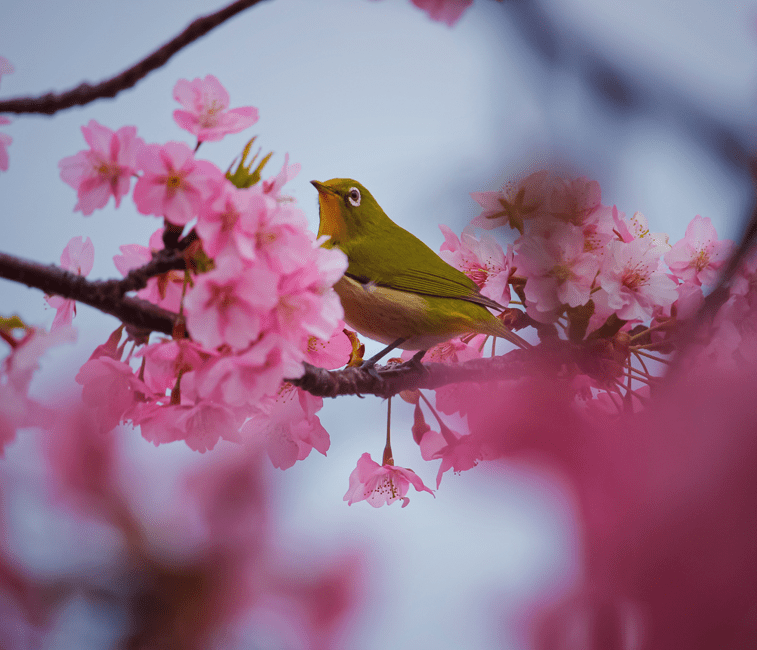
x=416 y=360
x=369 y=363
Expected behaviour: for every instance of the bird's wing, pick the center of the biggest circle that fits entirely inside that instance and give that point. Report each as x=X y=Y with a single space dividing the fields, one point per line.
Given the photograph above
x=417 y=270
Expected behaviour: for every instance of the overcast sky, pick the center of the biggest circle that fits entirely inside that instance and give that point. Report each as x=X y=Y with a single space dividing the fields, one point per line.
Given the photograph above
x=654 y=99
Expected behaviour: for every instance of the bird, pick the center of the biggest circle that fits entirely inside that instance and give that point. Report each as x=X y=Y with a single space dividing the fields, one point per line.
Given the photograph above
x=396 y=290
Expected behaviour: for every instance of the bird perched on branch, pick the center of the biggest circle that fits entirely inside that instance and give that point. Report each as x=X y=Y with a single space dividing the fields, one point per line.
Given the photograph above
x=396 y=290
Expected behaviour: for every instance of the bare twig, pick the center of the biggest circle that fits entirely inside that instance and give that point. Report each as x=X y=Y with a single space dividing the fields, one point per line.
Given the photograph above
x=85 y=93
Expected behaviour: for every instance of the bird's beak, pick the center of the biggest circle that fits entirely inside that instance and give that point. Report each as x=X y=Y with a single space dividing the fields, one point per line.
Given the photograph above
x=322 y=189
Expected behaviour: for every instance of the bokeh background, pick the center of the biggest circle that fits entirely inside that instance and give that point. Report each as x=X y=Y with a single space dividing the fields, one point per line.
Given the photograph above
x=654 y=99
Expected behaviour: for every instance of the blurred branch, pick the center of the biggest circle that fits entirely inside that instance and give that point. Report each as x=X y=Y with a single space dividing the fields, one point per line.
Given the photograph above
x=85 y=93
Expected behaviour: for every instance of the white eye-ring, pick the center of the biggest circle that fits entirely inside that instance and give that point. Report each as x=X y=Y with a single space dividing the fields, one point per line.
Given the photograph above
x=353 y=196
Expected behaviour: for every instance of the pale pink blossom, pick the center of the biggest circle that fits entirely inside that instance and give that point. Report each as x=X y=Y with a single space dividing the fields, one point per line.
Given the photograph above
x=200 y=425
x=288 y=427
x=637 y=228
x=78 y=257
x=106 y=169
x=282 y=236
x=379 y=485
x=699 y=256
x=444 y=11
x=457 y=452
x=330 y=353
x=174 y=184
x=558 y=271
x=482 y=260
x=452 y=351
x=6 y=67
x=165 y=360
x=206 y=101
x=5 y=141
x=518 y=201
x=110 y=389
x=576 y=201
x=632 y=282
x=228 y=304
x=288 y=172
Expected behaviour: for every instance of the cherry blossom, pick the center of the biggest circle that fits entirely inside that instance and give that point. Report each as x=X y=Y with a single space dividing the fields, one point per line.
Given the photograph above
x=379 y=485
x=106 y=169
x=288 y=172
x=632 y=281
x=482 y=260
x=576 y=201
x=6 y=67
x=174 y=184
x=516 y=202
x=458 y=452
x=78 y=257
x=699 y=256
x=558 y=271
x=5 y=141
x=206 y=101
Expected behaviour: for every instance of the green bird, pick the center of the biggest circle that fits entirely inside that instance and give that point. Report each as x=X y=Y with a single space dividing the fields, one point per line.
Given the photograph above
x=396 y=290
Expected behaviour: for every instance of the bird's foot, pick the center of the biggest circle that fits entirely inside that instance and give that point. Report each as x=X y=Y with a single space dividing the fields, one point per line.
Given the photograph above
x=369 y=365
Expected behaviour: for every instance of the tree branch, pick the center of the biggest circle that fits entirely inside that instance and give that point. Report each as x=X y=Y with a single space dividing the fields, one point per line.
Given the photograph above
x=85 y=93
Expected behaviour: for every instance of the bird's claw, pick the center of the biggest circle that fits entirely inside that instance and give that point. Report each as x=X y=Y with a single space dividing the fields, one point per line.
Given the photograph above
x=369 y=366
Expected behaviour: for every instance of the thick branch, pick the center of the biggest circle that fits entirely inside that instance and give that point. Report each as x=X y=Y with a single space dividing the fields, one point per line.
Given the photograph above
x=85 y=93
x=105 y=296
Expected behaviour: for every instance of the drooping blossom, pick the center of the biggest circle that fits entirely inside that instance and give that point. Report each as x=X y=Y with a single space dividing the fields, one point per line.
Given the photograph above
x=444 y=11
x=78 y=257
x=632 y=282
x=206 y=115
x=699 y=256
x=379 y=485
x=558 y=271
x=174 y=184
x=5 y=141
x=288 y=427
x=482 y=260
x=516 y=202
x=106 y=169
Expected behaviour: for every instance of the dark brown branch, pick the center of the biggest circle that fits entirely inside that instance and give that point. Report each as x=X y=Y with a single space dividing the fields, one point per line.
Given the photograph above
x=85 y=93
x=105 y=296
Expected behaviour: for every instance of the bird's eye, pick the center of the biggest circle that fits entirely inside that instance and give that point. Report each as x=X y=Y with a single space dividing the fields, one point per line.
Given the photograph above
x=353 y=196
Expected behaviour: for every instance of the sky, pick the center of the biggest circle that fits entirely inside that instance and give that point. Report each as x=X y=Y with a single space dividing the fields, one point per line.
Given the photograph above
x=652 y=99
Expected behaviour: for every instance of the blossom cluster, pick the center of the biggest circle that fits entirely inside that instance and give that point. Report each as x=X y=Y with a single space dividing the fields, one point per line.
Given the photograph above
x=256 y=296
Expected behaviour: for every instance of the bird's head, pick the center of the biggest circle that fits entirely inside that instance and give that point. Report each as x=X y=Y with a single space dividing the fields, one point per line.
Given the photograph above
x=347 y=209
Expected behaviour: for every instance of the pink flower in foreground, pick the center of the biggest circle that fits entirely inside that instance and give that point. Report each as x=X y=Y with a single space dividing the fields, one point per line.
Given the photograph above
x=174 y=185
x=482 y=260
x=632 y=283
x=206 y=101
x=699 y=256
x=458 y=453
x=330 y=354
x=78 y=257
x=444 y=11
x=288 y=172
x=6 y=67
x=5 y=140
x=106 y=169
x=379 y=485
x=517 y=201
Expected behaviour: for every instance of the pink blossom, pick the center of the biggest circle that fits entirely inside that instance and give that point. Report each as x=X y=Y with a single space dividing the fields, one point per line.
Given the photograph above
x=637 y=228
x=288 y=172
x=632 y=282
x=516 y=202
x=482 y=260
x=5 y=141
x=332 y=353
x=6 y=67
x=558 y=271
x=167 y=359
x=200 y=425
x=106 y=169
x=452 y=351
x=174 y=184
x=78 y=257
x=283 y=238
x=699 y=256
x=444 y=11
x=227 y=305
x=110 y=389
x=458 y=453
x=241 y=380
x=289 y=427
x=231 y=220
x=575 y=201
x=206 y=101
x=379 y=485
